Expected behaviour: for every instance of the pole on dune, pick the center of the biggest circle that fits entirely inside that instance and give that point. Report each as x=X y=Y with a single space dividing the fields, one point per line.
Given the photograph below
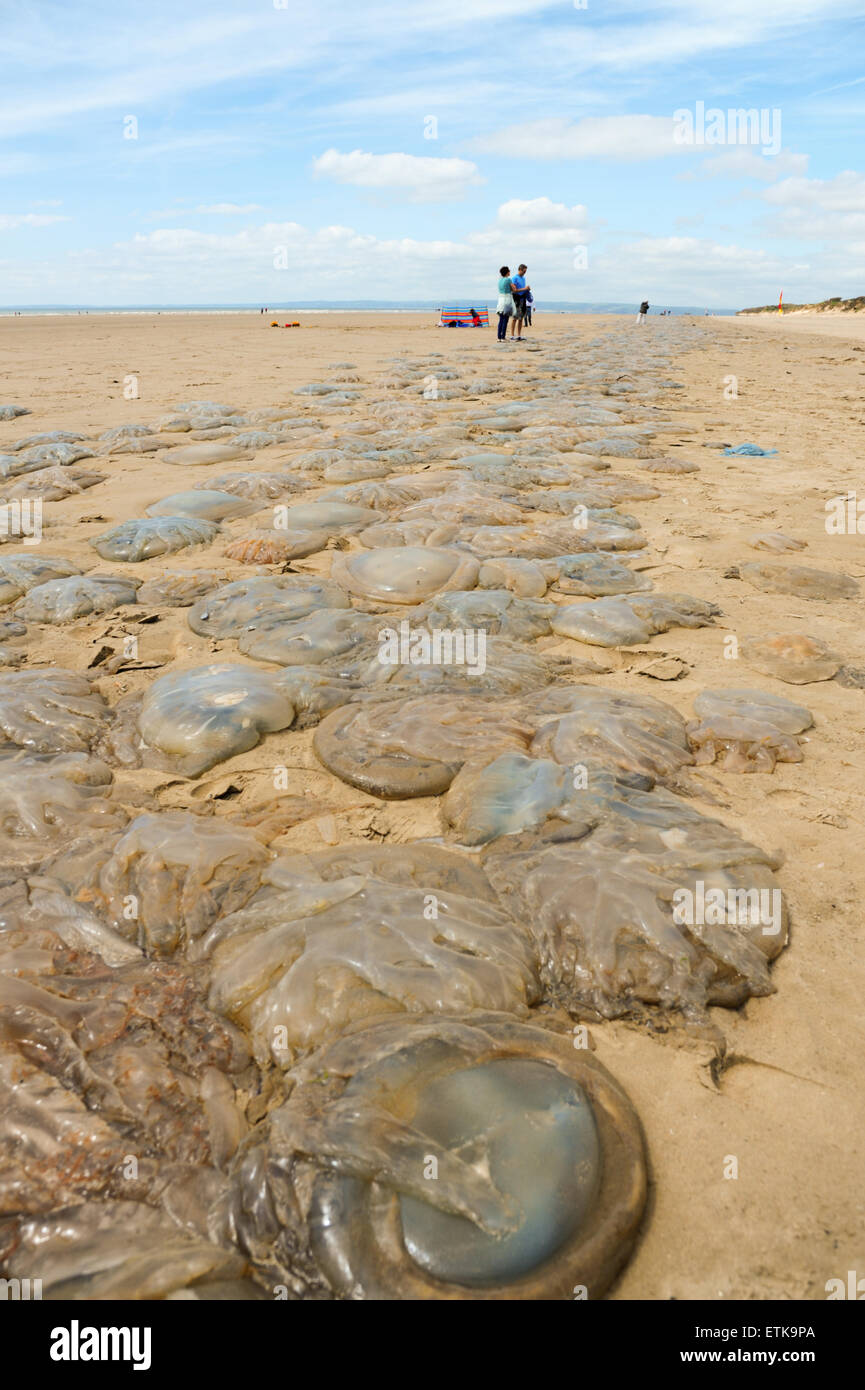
x=781 y=302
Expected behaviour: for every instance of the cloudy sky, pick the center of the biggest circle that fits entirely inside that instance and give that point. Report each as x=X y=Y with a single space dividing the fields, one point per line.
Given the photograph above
x=278 y=151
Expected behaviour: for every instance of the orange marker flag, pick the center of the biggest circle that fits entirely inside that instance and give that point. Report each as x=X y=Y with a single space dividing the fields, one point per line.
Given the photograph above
x=780 y=302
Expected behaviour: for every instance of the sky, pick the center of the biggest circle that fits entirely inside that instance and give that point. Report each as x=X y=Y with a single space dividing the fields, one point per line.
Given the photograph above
x=280 y=151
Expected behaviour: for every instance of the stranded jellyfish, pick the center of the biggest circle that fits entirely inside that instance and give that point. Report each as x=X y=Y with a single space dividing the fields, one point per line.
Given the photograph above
x=799 y=580
x=404 y=574
x=415 y=746
x=19 y=573
x=205 y=504
x=200 y=717
x=620 y=622
x=304 y=960
x=459 y=1159
x=227 y=611
x=144 y=537
x=275 y=547
x=164 y=880
x=791 y=657
x=50 y=710
x=62 y=600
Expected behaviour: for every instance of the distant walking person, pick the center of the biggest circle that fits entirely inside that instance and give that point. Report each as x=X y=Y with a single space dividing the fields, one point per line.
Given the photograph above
x=519 y=284
x=505 y=304
x=644 y=309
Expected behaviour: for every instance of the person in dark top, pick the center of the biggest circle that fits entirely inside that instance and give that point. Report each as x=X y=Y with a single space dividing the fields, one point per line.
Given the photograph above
x=644 y=309
x=519 y=290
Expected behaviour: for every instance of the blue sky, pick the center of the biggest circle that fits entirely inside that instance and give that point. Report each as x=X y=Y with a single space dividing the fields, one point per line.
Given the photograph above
x=403 y=151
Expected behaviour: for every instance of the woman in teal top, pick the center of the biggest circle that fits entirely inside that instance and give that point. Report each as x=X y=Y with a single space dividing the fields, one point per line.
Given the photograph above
x=505 y=305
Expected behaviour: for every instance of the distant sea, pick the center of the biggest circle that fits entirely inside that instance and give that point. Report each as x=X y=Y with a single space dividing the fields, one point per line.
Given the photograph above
x=348 y=306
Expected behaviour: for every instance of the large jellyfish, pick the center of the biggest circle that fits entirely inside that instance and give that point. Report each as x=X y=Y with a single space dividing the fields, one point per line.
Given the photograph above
x=167 y=877
x=226 y=612
x=50 y=710
x=414 y=746
x=450 y=1158
x=625 y=622
x=302 y=962
x=657 y=906
x=207 y=504
x=142 y=538
x=406 y=574
x=799 y=580
x=197 y=718
x=62 y=600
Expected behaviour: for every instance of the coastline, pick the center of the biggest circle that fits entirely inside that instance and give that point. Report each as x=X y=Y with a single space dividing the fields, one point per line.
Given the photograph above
x=255 y=311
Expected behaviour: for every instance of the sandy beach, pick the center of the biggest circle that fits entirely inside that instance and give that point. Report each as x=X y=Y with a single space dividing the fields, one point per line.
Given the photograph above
x=785 y=1099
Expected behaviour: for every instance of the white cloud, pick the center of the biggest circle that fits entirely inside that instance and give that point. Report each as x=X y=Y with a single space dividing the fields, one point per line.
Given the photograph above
x=238 y=267
x=693 y=270
x=708 y=273
x=744 y=163
x=537 y=223
x=844 y=193
x=595 y=137
x=540 y=213
x=10 y=220
x=424 y=179
x=815 y=209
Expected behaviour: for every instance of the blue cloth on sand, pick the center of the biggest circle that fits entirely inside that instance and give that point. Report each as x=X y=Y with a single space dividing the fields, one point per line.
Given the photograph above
x=753 y=449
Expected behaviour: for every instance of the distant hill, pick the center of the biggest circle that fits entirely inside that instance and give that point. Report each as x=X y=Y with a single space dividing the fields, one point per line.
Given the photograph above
x=845 y=306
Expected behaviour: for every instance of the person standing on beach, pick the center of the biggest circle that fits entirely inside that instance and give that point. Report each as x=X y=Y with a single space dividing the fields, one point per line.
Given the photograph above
x=505 y=305
x=644 y=309
x=519 y=285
